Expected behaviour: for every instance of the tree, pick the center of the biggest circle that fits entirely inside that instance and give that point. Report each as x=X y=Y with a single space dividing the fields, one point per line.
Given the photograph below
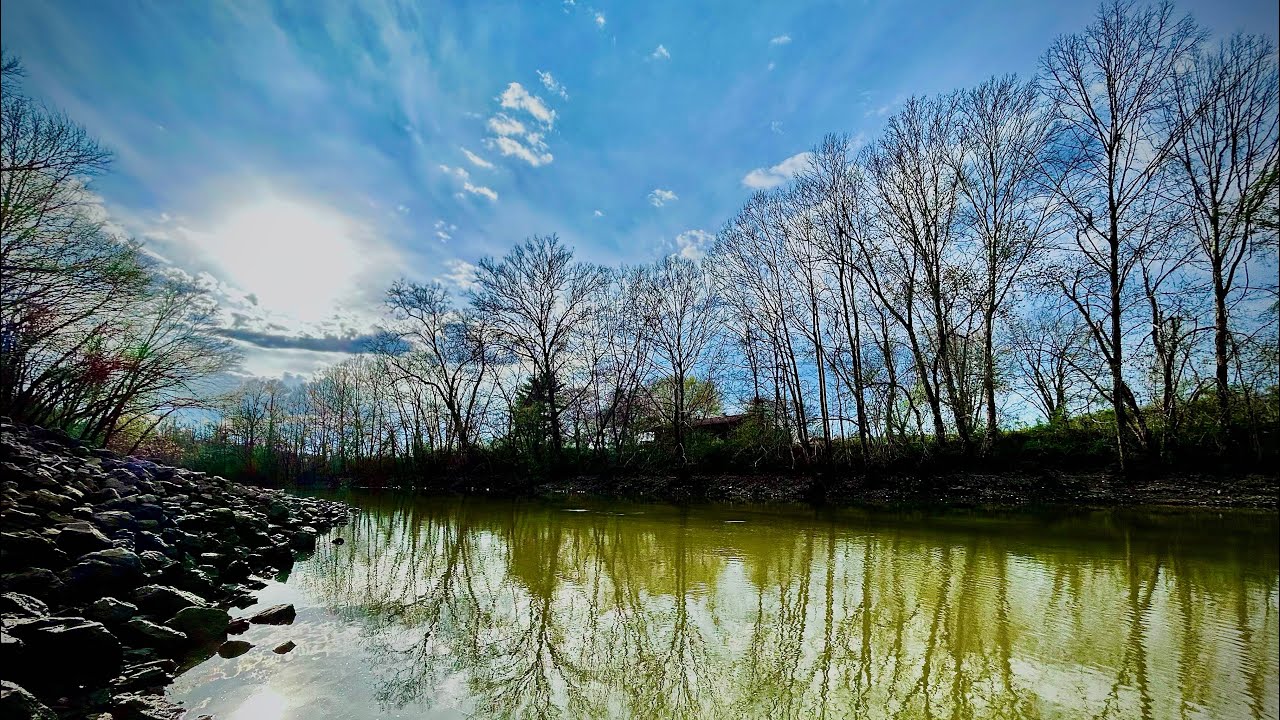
x=1111 y=89
x=1226 y=105
x=537 y=300
x=681 y=312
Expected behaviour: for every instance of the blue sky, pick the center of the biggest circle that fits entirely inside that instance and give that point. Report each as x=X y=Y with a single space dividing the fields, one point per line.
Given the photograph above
x=299 y=156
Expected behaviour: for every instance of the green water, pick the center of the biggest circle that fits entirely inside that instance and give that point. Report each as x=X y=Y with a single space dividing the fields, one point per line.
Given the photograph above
x=479 y=608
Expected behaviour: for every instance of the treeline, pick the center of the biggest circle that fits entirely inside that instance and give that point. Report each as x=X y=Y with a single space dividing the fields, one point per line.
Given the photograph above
x=1091 y=250
x=95 y=336
x=1076 y=267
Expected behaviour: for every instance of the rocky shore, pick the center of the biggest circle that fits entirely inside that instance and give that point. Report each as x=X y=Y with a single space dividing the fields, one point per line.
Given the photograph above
x=115 y=572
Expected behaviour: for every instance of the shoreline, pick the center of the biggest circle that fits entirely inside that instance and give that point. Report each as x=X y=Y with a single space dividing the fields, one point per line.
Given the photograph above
x=117 y=573
x=959 y=490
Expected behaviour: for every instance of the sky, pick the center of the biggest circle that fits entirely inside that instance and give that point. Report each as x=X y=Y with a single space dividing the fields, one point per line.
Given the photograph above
x=298 y=157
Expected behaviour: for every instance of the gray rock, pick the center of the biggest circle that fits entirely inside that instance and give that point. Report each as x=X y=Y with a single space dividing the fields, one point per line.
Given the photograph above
x=156 y=636
x=111 y=611
x=201 y=623
x=19 y=605
x=65 y=652
x=284 y=647
x=15 y=702
x=37 y=582
x=275 y=615
x=80 y=538
x=234 y=648
x=165 y=601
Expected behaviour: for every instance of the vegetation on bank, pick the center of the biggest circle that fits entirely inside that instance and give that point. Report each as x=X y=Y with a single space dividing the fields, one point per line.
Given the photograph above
x=1072 y=271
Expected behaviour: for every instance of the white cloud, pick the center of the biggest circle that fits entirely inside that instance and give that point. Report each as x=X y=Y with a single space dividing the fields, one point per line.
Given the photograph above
x=402 y=209
x=460 y=173
x=504 y=124
x=480 y=190
x=693 y=244
x=660 y=53
x=461 y=274
x=553 y=85
x=515 y=97
x=780 y=174
x=599 y=213
x=465 y=177
x=780 y=40
x=536 y=155
x=477 y=160
x=660 y=197
x=600 y=19
x=444 y=230
x=775 y=127
x=772 y=66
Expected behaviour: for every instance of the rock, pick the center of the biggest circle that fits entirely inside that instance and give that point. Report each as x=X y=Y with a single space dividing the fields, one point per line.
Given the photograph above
x=338 y=541
x=304 y=539
x=165 y=601
x=36 y=582
x=275 y=615
x=145 y=676
x=233 y=648
x=62 y=653
x=284 y=648
x=80 y=538
x=201 y=623
x=24 y=549
x=114 y=520
x=105 y=571
x=19 y=605
x=110 y=611
x=237 y=626
x=15 y=702
x=133 y=706
x=156 y=636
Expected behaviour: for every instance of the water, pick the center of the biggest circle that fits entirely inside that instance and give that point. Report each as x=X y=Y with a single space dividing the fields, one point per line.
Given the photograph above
x=452 y=608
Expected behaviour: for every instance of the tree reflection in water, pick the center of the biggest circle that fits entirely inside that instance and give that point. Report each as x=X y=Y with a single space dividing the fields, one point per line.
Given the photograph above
x=520 y=609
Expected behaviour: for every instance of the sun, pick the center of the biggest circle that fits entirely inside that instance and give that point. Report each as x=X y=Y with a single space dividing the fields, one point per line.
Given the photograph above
x=297 y=259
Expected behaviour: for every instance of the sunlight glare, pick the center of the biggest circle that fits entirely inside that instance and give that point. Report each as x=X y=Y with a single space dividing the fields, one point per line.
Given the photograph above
x=298 y=260
x=266 y=704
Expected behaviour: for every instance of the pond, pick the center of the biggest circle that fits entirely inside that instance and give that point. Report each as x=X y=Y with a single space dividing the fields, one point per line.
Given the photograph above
x=472 y=607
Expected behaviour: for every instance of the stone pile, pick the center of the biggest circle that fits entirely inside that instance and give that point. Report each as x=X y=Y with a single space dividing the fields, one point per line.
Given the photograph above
x=115 y=571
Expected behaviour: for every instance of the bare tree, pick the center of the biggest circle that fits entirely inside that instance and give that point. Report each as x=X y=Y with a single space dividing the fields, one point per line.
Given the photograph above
x=1003 y=130
x=682 y=313
x=1226 y=104
x=537 y=300
x=1111 y=88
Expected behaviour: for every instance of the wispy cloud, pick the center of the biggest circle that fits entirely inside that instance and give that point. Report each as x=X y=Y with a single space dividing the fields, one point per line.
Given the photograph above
x=552 y=85
x=460 y=274
x=598 y=213
x=465 y=177
x=660 y=53
x=445 y=230
x=477 y=160
x=600 y=20
x=693 y=244
x=515 y=97
x=536 y=155
x=660 y=197
x=771 y=177
x=780 y=40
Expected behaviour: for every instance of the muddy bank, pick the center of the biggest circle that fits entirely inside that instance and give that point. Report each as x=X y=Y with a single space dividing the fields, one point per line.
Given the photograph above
x=116 y=572
x=963 y=489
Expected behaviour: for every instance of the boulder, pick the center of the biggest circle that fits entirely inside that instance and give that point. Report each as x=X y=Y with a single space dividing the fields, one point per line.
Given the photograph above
x=65 y=652
x=165 y=601
x=111 y=611
x=14 y=604
x=237 y=626
x=111 y=520
x=36 y=582
x=80 y=538
x=234 y=648
x=25 y=549
x=162 y=638
x=284 y=647
x=15 y=702
x=201 y=624
x=275 y=615
x=106 y=571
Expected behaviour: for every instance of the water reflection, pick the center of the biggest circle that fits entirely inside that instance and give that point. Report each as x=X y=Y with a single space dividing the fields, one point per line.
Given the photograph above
x=519 y=609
